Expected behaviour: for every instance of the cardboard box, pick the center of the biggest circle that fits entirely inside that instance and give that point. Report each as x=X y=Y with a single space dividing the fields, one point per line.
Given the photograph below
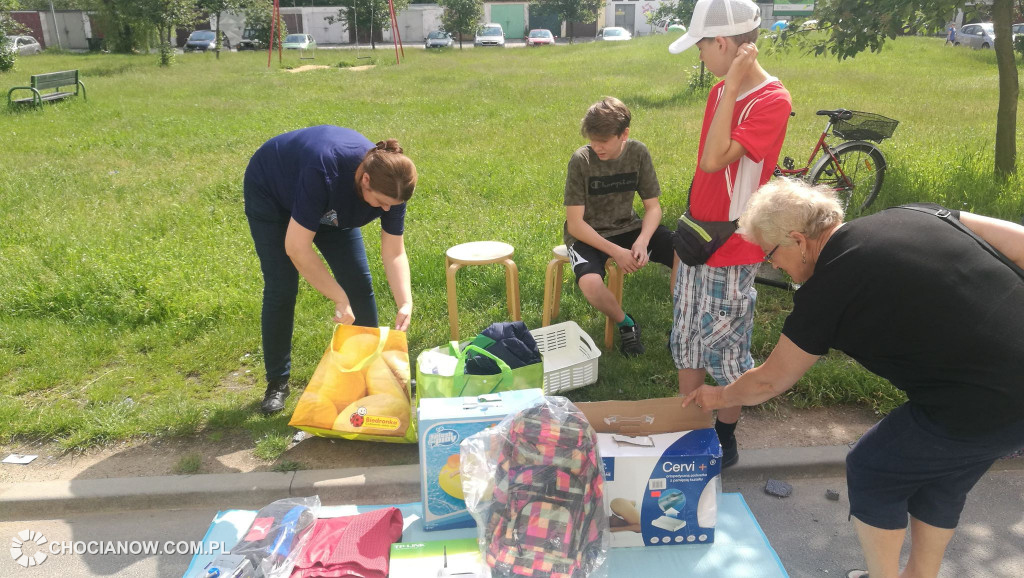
x=662 y=464
x=443 y=424
x=441 y=558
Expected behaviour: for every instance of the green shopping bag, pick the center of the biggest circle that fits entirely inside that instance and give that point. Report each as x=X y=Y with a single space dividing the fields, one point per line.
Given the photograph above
x=462 y=385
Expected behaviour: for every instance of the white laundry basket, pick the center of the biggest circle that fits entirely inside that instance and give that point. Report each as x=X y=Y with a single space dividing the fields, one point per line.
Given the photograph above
x=570 y=357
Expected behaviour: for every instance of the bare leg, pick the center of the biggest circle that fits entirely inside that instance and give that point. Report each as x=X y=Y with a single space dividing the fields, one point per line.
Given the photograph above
x=601 y=297
x=927 y=546
x=881 y=549
x=689 y=380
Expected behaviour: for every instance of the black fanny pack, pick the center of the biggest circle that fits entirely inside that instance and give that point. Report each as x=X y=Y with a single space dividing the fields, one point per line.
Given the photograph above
x=695 y=241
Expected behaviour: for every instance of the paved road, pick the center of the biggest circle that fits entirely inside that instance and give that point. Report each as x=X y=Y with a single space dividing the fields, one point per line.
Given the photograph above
x=810 y=533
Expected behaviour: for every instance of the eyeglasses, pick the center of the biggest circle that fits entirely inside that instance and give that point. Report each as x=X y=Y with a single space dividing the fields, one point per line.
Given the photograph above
x=768 y=257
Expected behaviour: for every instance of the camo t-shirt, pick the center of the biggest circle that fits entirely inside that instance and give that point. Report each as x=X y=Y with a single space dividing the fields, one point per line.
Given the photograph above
x=606 y=188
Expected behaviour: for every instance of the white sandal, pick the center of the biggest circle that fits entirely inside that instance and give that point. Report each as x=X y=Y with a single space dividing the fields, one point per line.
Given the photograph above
x=857 y=574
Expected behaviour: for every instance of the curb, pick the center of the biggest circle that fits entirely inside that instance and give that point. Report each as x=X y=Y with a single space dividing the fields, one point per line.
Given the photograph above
x=373 y=485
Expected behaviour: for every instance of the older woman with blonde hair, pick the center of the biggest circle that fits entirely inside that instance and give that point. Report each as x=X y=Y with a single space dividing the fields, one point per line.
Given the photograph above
x=923 y=303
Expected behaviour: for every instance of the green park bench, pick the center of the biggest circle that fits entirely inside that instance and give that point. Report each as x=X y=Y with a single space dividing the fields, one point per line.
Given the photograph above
x=51 y=80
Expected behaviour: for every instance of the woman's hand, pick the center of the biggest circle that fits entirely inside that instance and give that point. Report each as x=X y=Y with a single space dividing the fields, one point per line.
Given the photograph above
x=403 y=317
x=706 y=397
x=343 y=313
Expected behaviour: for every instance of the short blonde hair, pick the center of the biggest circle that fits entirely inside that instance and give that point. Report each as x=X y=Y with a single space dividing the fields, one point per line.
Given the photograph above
x=786 y=205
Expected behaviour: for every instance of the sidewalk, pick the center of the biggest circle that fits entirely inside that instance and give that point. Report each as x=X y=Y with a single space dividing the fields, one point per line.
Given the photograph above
x=372 y=485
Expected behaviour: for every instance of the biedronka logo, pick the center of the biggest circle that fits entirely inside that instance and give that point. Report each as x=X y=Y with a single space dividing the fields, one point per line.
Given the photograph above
x=20 y=557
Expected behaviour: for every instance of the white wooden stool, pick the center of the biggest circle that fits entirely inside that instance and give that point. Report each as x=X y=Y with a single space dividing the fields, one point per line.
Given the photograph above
x=553 y=290
x=481 y=253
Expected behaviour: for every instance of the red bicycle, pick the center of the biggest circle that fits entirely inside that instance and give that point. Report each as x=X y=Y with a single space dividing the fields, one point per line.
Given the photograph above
x=855 y=168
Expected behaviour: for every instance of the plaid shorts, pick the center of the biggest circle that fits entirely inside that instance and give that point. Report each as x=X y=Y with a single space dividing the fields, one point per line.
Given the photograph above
x=713 y=320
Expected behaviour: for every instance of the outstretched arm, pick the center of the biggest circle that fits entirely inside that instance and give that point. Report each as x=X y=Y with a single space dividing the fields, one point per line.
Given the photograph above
x=396 y=269
x=786 y=364
x=298 y=244
x=1005 y=236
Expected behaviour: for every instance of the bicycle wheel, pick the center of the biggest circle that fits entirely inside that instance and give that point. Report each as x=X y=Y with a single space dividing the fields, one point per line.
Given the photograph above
x=863 y=167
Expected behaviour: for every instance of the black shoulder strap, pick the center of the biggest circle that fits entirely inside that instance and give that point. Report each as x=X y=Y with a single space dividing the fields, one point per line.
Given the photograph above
x=947 y=216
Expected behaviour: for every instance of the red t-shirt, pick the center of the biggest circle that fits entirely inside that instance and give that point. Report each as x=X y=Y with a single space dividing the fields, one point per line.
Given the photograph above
x=759 y=122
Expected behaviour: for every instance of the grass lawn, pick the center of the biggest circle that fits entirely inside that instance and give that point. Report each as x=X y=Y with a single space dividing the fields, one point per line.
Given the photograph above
x=130 y=290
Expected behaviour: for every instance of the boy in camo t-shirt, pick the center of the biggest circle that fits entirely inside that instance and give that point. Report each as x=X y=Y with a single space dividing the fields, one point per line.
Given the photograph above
x=600 y=222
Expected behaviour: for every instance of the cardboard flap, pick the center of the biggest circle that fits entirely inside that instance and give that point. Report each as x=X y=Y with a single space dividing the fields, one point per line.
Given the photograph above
x=643 y=417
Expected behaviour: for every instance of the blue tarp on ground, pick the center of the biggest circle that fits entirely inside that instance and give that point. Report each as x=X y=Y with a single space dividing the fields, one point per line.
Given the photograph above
x=741 y=550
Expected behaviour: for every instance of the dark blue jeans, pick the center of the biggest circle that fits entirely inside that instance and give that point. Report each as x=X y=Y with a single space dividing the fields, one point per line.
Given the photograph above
x=345 y=254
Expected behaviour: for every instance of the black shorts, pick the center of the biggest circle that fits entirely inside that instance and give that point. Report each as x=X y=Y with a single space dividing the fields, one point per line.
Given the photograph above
x=586 y=259
x=908 y=464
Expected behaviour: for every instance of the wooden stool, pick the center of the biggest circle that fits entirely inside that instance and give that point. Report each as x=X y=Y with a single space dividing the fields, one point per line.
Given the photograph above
x=481 y=253
x=553 y=290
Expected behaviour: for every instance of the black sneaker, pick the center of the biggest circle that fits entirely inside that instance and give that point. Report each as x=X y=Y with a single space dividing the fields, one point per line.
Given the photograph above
x=730 y=454
x=629 y=339
x=273 y=400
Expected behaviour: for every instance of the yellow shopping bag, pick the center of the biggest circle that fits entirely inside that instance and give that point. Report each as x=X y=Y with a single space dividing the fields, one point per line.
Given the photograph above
x=360 y=389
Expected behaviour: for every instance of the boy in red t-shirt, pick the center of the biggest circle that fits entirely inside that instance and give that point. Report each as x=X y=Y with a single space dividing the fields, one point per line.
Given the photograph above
x=744 y=127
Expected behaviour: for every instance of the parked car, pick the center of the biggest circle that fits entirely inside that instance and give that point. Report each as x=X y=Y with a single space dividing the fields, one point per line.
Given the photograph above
x=615 y=33
x=976 y=35
x=668 y=24
x=250 y=41
x=490 y=34
x=438 y=39
x=206 y=40
x=299 y=42
x=540 y=37
x=1017 y=29
x=23 y=44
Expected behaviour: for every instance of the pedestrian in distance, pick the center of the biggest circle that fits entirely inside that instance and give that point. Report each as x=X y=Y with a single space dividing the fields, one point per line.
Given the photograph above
x=924 y=304
x=744 y=126
x=315 y=187
x=602 y=179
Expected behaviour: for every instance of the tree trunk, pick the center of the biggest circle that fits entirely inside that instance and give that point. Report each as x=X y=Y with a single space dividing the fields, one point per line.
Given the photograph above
x=1006 y=116
x=217 y=50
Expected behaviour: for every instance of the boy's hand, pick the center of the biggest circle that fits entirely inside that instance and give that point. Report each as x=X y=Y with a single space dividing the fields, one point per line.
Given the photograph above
x=640 y=253
x=624 y=259
x=746 y=56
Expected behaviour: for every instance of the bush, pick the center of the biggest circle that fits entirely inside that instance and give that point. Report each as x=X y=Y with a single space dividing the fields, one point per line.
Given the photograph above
x=700 y=80
x=7 y=59
x=166 y=54
x=1018 y=44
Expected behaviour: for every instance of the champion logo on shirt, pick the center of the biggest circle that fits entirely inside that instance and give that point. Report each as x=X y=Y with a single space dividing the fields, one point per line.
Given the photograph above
x=330 y=218
x=608 y=184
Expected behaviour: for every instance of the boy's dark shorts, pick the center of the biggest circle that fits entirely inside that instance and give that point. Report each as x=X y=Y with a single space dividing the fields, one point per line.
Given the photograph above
x=909 y=464
x=586 y=259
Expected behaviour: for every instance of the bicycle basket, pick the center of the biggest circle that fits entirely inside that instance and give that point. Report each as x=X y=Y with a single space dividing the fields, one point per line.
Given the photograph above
x=865 y=126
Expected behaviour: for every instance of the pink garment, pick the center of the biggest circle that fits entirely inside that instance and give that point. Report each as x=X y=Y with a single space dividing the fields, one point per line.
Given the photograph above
x=358 y=546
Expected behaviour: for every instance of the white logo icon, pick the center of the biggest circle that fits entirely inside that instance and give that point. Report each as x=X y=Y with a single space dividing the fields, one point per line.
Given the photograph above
x=22 y=558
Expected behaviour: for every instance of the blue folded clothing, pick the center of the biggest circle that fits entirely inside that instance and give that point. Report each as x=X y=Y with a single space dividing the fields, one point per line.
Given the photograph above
x=510 y=342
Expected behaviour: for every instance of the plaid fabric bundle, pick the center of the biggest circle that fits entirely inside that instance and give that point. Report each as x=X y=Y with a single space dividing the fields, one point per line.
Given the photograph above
x=544 y=519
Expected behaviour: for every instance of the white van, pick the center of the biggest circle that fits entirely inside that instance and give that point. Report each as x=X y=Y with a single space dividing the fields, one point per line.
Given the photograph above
x=490 y=34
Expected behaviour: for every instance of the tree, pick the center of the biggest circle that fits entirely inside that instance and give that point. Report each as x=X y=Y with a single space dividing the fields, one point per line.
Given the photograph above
x=217 y=7
x=571 y=11
x=461 y=16
x=257 y=20
x=852 y=26
x=682 y=10
x=8 y=54
x=166 y=16
x=125 y=24
x=368 y=14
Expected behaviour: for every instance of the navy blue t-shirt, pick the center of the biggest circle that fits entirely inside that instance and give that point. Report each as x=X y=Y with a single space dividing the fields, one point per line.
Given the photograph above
x=309 y=175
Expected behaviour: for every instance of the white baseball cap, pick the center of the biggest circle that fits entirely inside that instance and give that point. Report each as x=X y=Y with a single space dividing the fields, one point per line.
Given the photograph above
x=713 y=18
